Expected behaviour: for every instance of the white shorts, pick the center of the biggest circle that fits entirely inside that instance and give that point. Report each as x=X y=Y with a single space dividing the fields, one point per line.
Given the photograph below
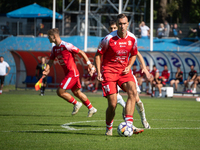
x=137 y=87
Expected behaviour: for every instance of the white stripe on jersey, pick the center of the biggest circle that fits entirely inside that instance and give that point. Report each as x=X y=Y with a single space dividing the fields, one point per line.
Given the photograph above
x=67 y=83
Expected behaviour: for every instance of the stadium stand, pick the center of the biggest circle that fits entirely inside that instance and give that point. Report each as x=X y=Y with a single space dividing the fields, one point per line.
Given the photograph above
x=42 y=44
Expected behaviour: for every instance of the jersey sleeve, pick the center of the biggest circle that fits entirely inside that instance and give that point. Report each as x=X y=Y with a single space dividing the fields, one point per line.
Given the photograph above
x=72 y=48
x=168 y=74
x=134 y=50
x=7 y=65
x=52 y=55
x=103 y=46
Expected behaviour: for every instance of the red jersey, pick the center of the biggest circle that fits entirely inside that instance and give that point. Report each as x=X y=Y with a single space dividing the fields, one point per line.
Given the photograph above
x=142 y=74
x=65 y=54
x=86 y=75
x=153 y=72
x=166 y=74
x=93 y=77
x=134 y=72
x=116 y=51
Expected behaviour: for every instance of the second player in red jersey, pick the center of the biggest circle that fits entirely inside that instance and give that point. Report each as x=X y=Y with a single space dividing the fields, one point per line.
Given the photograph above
x=65 y=52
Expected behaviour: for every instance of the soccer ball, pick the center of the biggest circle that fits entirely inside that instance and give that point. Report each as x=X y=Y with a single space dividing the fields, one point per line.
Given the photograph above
x=124 y=130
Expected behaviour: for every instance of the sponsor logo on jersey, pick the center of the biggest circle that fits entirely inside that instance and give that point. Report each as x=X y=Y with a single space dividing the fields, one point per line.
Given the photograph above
x=121 y=52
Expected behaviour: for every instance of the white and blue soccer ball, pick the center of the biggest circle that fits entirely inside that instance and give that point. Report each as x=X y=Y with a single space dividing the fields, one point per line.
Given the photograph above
x=125 y=130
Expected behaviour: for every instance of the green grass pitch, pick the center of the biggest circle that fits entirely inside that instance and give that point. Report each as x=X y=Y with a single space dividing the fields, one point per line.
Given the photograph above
x=29 y=121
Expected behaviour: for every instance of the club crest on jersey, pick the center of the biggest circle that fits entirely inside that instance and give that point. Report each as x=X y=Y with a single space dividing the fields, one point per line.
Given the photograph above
x=115 y=43
x=129 y=43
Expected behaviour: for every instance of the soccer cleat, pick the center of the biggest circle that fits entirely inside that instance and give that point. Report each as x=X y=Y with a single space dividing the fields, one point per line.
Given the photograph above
x=94 y=91
x=146 y=124
x=91 y=112
x=76 y=108
x=108 y=132
x=41 y=94
x=137 y=130
x=194 y=91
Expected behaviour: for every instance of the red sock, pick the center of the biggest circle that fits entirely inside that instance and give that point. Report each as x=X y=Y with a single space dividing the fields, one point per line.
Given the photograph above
x=109 y=125
x=72 y=101
x=129 y=119
x=88 y=104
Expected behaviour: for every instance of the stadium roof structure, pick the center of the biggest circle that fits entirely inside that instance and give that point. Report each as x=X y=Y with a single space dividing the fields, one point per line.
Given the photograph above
x=33 y=11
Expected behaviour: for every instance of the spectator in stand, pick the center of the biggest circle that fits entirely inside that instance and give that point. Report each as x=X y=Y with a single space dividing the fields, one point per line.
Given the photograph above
x=178 y=78
x=167 y=29
x=157 y=82
x=85 y=80
x=145 y=31
x=176 y=31
x=190 y=80
x=160 y=31
x=153 y=73
x=134 y=71
x=90 y=82
x=196 y=81
x=197 y=30
x=141 y=76
x=165 y=75
x=94 y=82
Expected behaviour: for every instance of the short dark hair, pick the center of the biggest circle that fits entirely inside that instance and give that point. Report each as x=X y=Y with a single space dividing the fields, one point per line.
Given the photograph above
x=1 y=56
x=121 y=16
x=112 y=22
x=154 y=65
x=53 y=31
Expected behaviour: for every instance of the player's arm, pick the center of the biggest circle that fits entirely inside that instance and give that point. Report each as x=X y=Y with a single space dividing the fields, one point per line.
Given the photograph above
x=8 y=71
x=130 y=64
x=47 y=69
x=97 y=62
x=91 y=68
x=194 y=76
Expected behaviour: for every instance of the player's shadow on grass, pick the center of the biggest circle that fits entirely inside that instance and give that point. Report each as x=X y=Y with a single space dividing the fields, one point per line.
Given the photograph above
x=59 y=132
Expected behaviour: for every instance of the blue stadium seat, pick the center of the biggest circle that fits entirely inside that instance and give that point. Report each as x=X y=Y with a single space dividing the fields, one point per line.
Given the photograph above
x=34 y=80
x=27 y=80
x=49 y=79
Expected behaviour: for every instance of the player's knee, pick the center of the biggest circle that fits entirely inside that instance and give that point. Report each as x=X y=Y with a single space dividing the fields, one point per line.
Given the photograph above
x=60 y=92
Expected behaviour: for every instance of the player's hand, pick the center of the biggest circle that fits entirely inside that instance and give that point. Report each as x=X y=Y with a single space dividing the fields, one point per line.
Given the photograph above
x=91 y=70
x=99 y=77
x=148 y=75
x=46 y=72
x=126 y=70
